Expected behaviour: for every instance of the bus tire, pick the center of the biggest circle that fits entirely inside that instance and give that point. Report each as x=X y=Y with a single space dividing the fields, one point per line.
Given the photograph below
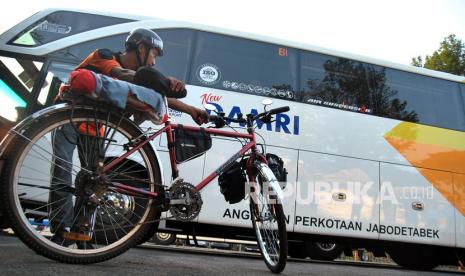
x=415 y=257
x=460 y=254
x=163 y=238
x=324 y=251
x=297 y=250
x=3 y=222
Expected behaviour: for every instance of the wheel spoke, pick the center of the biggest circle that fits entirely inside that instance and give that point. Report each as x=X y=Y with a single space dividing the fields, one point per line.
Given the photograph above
x=269 y=225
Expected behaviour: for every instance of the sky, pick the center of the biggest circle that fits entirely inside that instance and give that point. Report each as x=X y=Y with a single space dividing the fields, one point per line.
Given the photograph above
x=392 y=30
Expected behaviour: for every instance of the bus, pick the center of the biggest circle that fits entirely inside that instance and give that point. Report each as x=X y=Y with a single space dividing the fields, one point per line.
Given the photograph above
x=374 y=151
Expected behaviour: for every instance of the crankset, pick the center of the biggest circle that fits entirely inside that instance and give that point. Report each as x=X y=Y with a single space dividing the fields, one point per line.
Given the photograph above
x=186 y=202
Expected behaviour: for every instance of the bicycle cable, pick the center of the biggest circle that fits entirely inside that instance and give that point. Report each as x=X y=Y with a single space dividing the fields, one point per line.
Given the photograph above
x=243 y=142
x=263 y=139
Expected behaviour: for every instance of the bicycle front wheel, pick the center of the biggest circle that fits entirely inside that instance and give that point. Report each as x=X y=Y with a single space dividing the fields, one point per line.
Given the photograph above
x=268 y=219
x=50 y=170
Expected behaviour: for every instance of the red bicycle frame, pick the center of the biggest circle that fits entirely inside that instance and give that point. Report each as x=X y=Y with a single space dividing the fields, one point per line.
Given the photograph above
x=168 y=129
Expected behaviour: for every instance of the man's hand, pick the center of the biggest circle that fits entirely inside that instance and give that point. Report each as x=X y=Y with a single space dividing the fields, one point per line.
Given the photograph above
x=176 y=85
x=199 y=116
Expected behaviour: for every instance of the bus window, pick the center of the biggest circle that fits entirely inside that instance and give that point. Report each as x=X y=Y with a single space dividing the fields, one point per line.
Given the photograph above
x=462 y=96
x=61 y=24
x=424 y=99
x=17 y=78
x=57 y=74
x=79 y=52
x=175 y=59
x=336 y=82
x=245 y=66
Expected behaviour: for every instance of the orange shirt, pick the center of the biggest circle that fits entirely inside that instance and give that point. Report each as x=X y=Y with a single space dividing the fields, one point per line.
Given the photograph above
x=100 y=61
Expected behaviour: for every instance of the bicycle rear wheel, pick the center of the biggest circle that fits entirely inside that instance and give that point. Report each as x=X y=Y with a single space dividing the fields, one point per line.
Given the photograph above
x=38 y=200
x=268 y=219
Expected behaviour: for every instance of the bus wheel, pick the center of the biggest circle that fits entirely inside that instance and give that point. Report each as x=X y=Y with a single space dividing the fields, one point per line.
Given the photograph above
x=460 y=252
x=163 y=238
x=416 y=257
x=3 y=222
x=325 y=251
x=297 y=250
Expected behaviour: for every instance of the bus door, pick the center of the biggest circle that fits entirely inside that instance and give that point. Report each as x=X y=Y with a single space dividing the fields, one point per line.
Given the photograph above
x=28 y=85
x=18 y=76
x=26 y=81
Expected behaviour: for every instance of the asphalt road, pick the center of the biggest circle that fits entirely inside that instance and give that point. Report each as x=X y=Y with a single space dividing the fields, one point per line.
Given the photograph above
x=17 y=259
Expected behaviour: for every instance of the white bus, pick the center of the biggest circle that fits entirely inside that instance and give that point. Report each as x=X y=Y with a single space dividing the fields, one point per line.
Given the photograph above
x=375 y=151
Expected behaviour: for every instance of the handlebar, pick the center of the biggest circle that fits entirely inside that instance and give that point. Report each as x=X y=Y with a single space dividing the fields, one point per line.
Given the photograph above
x=214 y=118
x=281 y=109
x=220 y=121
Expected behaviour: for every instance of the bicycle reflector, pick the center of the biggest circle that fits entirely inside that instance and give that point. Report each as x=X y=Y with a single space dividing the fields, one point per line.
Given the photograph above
x=77 y=236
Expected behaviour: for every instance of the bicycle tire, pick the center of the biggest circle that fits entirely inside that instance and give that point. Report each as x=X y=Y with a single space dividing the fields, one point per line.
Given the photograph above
x=33 y=140
x=272 y=248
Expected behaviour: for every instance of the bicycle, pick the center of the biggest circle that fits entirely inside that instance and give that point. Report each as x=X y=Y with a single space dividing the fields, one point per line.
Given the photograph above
x=117 y=190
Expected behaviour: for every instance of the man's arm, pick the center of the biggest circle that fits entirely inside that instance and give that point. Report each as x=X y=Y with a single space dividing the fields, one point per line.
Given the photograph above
x=129 y=75
x=198 y=115
x=123 y=74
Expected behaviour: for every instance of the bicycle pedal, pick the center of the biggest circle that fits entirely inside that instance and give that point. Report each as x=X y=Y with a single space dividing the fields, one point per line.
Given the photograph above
x=77 y=236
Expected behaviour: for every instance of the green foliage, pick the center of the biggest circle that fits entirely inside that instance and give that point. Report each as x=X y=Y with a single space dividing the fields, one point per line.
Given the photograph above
x=450 y=57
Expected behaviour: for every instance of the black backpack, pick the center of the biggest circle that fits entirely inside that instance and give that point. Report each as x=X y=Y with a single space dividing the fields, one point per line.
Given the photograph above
x=232 y=183
x=276 y=165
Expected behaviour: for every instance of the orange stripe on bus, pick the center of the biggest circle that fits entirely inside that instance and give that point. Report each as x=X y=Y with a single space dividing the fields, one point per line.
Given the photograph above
x=442 y=166
x=430 y=156
x=442 y=181
x=459 y=192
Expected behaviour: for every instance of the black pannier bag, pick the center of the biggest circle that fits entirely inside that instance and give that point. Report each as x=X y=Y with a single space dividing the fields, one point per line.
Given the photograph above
x=232 y=183
x=190 y=144
x=276 y=165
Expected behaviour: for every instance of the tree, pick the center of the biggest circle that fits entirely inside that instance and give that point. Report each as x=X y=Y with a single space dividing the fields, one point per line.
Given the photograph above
x=450 y=57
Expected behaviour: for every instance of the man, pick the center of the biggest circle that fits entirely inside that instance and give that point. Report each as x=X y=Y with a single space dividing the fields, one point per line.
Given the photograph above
x=135 y=65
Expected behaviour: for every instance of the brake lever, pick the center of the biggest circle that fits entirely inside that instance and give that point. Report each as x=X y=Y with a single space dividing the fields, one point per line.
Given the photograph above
x=266 y=119
x=220 y=124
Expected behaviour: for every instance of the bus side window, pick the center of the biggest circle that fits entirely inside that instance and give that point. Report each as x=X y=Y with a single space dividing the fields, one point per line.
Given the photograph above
x=245 y=66
x=462 y=96
x=177 y=44
x=424 y=100
x=337 y=82
x=175 y=60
